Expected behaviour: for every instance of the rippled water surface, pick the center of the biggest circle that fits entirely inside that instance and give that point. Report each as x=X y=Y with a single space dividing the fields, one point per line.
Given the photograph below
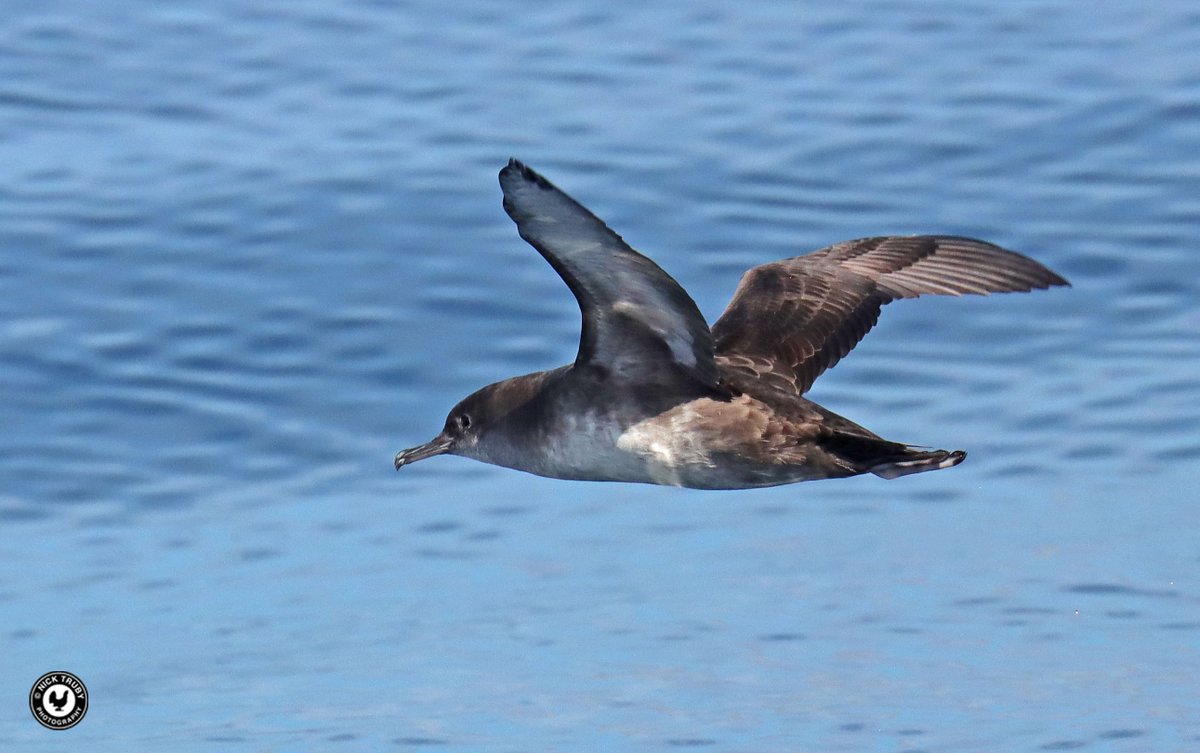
x=250 y=250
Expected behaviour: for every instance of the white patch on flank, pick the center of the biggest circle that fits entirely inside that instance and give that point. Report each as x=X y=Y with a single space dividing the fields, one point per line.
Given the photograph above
x=665 y=444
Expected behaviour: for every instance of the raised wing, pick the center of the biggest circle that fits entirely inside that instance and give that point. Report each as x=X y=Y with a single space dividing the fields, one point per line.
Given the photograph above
x=636 y=319
x=791 y=320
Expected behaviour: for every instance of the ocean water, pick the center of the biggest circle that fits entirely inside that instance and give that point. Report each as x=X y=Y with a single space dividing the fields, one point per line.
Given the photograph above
x=249 y=251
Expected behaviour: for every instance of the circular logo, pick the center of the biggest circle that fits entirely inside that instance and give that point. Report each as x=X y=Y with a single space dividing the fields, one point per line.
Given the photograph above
x=58 y=700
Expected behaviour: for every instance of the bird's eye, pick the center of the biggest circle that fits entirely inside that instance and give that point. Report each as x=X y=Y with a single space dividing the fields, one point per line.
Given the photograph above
x=464 y=421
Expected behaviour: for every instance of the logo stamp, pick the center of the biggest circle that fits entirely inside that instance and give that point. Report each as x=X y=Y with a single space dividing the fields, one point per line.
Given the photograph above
x=58 y=700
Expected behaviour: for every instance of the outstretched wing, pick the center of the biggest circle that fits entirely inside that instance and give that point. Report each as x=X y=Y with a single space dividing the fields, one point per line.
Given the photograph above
x=791 y=320
x=636 y=319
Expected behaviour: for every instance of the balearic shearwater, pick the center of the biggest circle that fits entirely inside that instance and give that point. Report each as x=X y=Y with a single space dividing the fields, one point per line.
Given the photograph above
x=656 y=396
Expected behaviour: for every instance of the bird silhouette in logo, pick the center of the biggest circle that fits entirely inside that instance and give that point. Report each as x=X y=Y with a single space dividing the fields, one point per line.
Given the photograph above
x=58 y=700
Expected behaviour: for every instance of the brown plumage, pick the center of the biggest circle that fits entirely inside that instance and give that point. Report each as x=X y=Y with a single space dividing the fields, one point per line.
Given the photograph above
x=655 y=396
x=821 y=304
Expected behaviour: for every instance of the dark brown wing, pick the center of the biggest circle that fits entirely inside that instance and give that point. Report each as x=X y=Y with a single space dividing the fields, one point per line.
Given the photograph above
x=637 y=320
x=791 y=320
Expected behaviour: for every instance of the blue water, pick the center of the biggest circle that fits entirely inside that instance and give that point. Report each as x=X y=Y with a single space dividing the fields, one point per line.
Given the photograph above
x=248 y=251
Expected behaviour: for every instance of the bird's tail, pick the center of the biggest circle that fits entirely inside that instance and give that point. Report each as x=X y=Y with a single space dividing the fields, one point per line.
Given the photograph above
x=866 y=453
x=918 y=461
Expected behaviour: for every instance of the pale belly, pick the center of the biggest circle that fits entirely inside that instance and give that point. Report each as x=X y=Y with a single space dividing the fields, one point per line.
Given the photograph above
x=703 y=444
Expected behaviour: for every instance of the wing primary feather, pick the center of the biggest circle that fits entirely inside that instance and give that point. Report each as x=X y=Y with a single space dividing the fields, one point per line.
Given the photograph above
x=828 y=300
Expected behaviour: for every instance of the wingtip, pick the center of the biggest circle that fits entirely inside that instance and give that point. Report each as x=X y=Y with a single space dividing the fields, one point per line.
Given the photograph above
x=514 y=166
x=1050 y=279
x=517 y=169
x=1045 y=277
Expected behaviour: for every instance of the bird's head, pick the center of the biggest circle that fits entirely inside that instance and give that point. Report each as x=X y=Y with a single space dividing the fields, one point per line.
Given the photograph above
x=473 y=420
